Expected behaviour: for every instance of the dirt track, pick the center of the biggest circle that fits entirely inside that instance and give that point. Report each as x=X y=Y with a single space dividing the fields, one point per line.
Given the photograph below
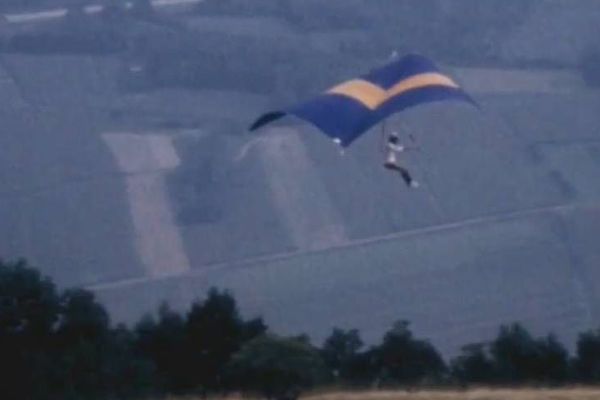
x=145 y=159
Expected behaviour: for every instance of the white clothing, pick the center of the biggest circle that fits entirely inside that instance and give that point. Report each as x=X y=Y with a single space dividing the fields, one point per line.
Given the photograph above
x=393 y=150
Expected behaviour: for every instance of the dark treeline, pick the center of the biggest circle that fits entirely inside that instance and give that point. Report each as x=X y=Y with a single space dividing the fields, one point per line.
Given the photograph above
x=61 y=345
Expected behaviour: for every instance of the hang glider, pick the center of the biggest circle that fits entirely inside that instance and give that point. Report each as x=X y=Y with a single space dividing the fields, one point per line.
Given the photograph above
x=348 y=110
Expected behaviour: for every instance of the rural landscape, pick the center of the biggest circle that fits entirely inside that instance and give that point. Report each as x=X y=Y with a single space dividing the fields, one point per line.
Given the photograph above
x=152 y=246
x=62 y=345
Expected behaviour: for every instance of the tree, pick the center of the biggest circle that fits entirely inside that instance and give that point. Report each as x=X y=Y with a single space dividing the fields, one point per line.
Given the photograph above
x=163 y=342
x=514 y=352
x=404 y=360
x=214 y=332
x=276 y=368
x=29 y=304
x=61 y=346
x=29 y=310
x=95 y=360
x=340 y=352
x=474 y=365
x=553 y=361
x=82 y=317
x=519 y=358
x=81 y=336
x=587 y=360
x=129 y=373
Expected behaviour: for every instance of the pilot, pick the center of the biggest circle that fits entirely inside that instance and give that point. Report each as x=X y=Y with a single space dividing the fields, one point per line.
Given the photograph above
x=394 y=148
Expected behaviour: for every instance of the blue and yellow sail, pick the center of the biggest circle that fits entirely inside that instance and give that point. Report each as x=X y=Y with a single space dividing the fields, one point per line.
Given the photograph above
x=349 y=109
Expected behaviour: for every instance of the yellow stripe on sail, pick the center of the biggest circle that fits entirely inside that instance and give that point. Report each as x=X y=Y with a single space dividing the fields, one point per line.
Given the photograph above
x=420 y=81
x=366 y=93
x=372 y=96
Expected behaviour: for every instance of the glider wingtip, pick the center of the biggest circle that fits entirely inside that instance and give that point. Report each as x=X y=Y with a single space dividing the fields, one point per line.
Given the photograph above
x=255 y=125
x=266 y=119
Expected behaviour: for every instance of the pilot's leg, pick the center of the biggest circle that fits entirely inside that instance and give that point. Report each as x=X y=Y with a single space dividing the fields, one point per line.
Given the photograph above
x=408 y=179
x=392 y=164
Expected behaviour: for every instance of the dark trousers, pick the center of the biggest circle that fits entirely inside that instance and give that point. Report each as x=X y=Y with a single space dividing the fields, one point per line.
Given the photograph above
x=403 y=172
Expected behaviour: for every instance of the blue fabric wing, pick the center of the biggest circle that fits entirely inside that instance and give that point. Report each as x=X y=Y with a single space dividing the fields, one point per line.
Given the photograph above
x=348 y=110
